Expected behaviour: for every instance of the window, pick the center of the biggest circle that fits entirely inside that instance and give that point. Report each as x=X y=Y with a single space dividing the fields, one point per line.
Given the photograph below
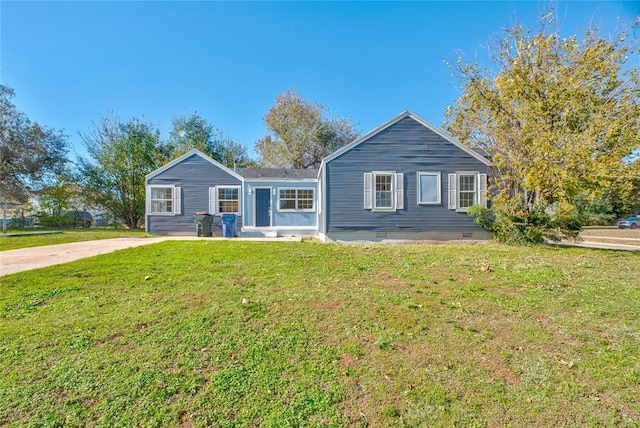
x=383 y=191
x=163 y=200
x=429 y=188
x=467 y=189
x=295 y=200
x=228 y=200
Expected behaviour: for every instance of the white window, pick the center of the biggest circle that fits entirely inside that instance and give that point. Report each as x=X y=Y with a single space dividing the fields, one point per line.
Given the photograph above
x=383 y=191
x=164 y=200
x=227 y=200
x=467 y=189
x=296 y=200
x=429 y=188
x=383 y=188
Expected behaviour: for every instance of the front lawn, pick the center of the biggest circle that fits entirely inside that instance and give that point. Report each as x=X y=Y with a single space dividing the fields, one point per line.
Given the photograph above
x=67 y=235
x=237 y=333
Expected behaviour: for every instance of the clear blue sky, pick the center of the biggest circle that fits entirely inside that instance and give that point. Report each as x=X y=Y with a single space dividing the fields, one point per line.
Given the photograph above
x=72 y=62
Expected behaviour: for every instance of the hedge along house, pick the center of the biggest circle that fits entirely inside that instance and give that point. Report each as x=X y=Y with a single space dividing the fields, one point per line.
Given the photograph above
x=191 y=183
x=268 y=202
x=405 y=179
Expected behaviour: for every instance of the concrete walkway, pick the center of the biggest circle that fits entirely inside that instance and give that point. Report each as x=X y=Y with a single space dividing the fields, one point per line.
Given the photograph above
x=599 y=245
x=13 y=261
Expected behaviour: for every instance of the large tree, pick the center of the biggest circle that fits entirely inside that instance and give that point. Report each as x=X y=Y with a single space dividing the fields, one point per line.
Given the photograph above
x=300 y=134
x=29 y=152
x=560 y=115
x=121 y=154
x=195 y=132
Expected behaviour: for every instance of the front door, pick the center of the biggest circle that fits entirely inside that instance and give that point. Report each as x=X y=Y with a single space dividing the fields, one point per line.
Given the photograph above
x=263 y=207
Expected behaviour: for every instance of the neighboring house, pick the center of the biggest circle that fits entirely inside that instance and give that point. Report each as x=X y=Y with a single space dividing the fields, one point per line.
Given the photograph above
x=404 y=180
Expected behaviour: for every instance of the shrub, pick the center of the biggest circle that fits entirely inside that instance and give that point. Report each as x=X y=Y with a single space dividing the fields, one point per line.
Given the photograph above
x=514 y=222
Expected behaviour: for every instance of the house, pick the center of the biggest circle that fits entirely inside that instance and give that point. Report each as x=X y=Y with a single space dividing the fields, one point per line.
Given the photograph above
x=266 y=201
x=280 y=202
x=405 y=179
x=191 y=183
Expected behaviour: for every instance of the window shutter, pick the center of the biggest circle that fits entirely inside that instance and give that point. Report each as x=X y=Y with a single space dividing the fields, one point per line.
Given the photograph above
x=482 y=189
x=177 y=200
x=212 y=200
x=148 y=200
x=452 y=191
x=399 y=191
x=368 y=192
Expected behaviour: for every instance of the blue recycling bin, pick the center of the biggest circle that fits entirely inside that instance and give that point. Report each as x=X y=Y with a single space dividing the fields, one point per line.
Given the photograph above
x=229 y=228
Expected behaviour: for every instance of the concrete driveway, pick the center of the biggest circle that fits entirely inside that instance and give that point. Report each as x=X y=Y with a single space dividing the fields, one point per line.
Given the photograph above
x=13 y=261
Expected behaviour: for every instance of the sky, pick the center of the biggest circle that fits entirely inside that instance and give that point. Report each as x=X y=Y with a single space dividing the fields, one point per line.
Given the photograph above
x=72 y=62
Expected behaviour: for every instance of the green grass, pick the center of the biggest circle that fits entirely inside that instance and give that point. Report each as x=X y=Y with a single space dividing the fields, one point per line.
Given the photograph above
x=230 y=334
x=67 y=236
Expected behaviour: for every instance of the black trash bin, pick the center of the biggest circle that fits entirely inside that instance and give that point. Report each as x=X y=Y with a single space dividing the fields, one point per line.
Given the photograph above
x=203 y=223
x=229 y=222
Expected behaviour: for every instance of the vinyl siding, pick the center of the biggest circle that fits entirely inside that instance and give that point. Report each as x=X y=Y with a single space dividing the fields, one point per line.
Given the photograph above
x=194 y=175
x=405 y=147
x=286 y=219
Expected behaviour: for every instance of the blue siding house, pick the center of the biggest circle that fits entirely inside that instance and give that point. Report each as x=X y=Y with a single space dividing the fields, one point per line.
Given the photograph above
x=267 y=202
x=280 y=202
x=191 y=183
x=405 y=179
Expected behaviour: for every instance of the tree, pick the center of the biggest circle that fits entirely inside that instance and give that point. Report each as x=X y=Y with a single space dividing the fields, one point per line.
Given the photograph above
x=299 y=134
x=122 y=153
x=29 y=152
x=58 y=197
x=194 y=132
x=560 y=116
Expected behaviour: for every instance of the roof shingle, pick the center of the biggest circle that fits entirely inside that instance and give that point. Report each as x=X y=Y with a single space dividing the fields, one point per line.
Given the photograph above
x=277 y=173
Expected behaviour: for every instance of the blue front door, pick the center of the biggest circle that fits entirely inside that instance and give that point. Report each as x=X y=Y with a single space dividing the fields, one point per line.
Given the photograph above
x=263 y=207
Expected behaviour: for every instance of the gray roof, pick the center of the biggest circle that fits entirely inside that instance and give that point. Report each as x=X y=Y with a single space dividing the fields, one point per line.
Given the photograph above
x=277 y=173
x=482 y=152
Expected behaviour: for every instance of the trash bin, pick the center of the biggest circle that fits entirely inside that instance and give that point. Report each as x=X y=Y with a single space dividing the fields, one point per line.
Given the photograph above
x=229 y=225
x=203 y=223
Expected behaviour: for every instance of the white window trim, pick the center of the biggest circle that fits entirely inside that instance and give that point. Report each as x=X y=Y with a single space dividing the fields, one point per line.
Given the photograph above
x=174 y=201
x=375 y=208
x=217 y=199
x=473 y=174
x=438 y=176
x=304 y=210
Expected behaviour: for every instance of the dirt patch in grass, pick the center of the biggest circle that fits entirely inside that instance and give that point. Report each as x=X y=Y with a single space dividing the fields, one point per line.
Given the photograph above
x=559 y=335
